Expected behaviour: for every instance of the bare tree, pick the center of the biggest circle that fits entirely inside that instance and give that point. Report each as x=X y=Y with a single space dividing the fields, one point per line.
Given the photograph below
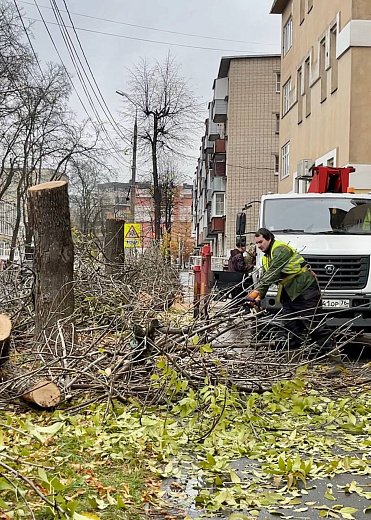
x=166 y=109
x=84 y=178
x=39 y=135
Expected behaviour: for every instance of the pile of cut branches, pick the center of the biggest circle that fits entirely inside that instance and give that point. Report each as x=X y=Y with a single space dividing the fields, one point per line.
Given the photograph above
x=131 y=343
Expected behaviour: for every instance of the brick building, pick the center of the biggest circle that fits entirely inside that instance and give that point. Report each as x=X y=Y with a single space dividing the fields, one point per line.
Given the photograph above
x=239 y=155
x=115 y=201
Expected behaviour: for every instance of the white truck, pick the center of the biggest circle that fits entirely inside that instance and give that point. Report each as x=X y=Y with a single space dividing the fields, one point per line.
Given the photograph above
x=332 y=231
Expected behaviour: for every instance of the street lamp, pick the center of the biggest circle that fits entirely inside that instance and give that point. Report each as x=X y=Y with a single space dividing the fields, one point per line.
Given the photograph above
x=134 y=161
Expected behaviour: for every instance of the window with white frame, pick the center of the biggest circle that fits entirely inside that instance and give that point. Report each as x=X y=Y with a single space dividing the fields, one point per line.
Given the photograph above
x=218 y=209
x=285 y=160
x=286 y=97
x=278 y=82
x=287 y=36
x=4 y=249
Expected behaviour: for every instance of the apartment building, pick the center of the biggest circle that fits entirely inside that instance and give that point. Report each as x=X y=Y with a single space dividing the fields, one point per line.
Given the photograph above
x=326 y=89
x=239 y=152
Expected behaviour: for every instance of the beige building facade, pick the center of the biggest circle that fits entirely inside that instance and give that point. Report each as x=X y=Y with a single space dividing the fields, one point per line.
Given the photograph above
x=326 y=89
x=240 y=150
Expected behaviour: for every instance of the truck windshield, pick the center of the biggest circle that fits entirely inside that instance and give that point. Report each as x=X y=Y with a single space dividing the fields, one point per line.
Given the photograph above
x=318 y=215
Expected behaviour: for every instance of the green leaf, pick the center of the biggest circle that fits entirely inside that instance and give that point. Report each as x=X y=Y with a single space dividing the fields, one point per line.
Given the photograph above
x=5 y=485
x=42 y=474
x=207 y=348
x=234 y=477
x=281 y=463
x=52 y=429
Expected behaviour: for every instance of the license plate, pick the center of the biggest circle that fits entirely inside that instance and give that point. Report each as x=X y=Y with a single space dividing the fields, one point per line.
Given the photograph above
x=335 y=304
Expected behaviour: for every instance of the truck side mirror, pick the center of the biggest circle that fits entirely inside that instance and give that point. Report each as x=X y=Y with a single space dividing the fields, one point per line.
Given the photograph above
x=240 y=223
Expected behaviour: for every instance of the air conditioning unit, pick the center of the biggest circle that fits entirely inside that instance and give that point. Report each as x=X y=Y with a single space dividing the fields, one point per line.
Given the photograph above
x=304 y=170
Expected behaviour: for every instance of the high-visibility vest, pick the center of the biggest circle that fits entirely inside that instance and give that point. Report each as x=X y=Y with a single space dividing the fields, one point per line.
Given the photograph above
x=293 y=266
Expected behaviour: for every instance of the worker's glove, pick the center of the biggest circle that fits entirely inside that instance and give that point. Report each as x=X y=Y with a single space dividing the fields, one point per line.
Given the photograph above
x=253 y=300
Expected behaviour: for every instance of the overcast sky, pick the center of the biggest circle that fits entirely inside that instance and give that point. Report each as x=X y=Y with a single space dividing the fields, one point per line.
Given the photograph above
x=230 y=27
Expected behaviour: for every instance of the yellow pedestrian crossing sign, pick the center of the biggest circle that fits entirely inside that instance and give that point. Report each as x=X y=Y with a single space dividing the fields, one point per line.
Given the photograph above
x=132 y=234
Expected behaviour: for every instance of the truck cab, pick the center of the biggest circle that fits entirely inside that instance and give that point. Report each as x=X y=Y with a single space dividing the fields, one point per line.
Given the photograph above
x=332 y=231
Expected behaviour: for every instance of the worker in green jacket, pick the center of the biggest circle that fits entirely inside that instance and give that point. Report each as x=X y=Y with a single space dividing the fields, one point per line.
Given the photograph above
x=298 y=290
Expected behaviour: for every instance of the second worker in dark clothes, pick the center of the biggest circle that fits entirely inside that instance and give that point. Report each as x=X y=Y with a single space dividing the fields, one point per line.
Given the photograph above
x=237 y=264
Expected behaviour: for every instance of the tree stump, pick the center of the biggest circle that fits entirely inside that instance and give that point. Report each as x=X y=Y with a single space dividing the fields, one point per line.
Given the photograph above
x=114 y=244
x=5 y=330
x=53 y=260
x=44 y=393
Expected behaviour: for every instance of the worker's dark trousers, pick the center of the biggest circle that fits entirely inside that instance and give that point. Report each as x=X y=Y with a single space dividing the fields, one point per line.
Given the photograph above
x=305 y=316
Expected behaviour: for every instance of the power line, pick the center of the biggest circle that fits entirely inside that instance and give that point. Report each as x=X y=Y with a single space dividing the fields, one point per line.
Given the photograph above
x=60 y=58
x=112 y=120
x=67 y=73
x=80 y=70
x=28 y=38
x=152 y=41
x=156 y=29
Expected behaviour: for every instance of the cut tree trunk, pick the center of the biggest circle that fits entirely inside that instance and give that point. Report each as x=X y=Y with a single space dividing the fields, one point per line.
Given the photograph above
x=5 y=330
x=44 y=393
x=114 y=244
x=53 y=262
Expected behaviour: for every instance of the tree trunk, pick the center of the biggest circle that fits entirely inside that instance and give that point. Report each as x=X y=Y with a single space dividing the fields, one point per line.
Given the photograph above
x=53 y=262
x=156 y=187
x=114 y=244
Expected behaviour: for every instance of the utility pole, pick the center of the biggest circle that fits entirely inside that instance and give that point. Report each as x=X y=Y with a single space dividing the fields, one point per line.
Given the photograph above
x=134 y=161
x=134 y=170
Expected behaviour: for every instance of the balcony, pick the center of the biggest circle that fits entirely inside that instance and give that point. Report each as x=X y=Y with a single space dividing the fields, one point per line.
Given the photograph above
x=218 y=184
x=219 y=146
x=219 y=169
x=205 y=236
x=219 y=111
x=217 y=225
x=209 y=146
x=214 y=131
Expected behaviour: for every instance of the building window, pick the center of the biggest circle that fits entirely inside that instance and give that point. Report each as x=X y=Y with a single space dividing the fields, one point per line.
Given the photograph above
x=219 y=205
x=276 y=164
x=310 y=5
x=302 y=11
x=300 y=97
x=285 y=160
x=277 y=127
x=333 y=61
x=286 y=97
x=278 y=82
x=323 y=72
x=287 y=36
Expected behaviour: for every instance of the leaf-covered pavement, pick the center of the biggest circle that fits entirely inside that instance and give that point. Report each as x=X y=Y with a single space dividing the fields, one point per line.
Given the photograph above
x=108 y=463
